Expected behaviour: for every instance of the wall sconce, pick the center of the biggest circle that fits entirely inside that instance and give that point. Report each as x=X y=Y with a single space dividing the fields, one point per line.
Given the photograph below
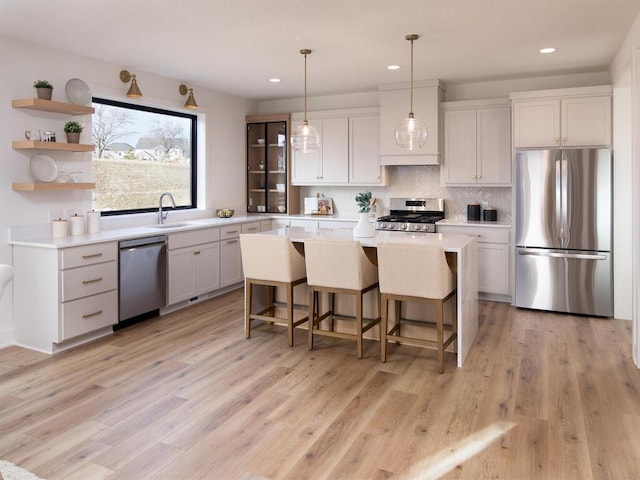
x=134 y=91
x=191 y=101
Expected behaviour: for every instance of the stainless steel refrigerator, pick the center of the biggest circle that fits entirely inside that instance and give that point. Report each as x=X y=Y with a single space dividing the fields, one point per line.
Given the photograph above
x=564 y=231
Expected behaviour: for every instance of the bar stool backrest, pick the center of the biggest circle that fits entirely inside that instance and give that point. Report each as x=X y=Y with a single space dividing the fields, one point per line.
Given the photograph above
x=271 y=257
x=6 y=274
x=338 y=264
x=414 y=270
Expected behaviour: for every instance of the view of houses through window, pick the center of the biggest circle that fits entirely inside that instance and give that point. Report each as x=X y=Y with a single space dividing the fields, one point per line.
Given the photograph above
x=141 y=152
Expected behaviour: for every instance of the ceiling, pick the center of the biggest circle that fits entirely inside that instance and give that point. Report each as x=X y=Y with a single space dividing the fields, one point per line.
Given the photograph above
x=236 y=46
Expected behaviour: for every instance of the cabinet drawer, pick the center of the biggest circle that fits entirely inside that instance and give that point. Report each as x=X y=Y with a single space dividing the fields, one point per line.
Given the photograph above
x=88 y=255
x=253 y=227
x=484 y=234
x=85 y=281
x=88 y=314
x=230 y=231
x=197 y=237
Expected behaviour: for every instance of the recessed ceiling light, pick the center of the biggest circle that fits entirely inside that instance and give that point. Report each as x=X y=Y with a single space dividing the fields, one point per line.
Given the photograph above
x=393 y=67
x=547 y=50
x=275 y=80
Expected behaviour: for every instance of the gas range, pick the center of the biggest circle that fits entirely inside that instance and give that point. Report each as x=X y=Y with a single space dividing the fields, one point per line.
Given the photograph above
x=415 y=215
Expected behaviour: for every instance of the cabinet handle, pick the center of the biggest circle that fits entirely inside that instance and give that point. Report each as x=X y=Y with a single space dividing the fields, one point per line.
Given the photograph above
x=556 y=139
x=564 y=139
x=94 y=280
x=232 y=231
x=94 y=314
x=197 y=252
x=231 y=241
x=94 y=255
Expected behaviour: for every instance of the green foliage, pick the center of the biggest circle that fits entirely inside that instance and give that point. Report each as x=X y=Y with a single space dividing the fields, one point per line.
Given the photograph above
x=73 y=127
x=363 y=199
x=42 y=84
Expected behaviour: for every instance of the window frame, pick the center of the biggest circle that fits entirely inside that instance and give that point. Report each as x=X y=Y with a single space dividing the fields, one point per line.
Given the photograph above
x=194 y=153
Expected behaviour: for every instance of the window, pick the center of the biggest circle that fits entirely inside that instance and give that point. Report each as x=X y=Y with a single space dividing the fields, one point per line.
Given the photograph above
x=141 y=152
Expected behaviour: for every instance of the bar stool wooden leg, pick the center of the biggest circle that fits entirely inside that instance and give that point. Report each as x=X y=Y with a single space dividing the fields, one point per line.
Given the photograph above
x=384 y=313
x=247 y=308
x=359 y=323
x=312 y=315
x=440 y=327
x=290 y=314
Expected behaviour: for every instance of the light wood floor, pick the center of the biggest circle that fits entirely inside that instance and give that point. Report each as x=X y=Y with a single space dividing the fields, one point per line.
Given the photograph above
x=186 y=396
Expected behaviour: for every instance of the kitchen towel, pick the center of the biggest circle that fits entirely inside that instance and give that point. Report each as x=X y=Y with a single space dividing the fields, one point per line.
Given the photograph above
x=77 y=224
x=93 y=222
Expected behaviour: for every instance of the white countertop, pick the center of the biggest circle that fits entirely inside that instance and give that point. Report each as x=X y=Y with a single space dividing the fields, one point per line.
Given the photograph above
x=41 y=237
x=450 y=242
x=466 y=223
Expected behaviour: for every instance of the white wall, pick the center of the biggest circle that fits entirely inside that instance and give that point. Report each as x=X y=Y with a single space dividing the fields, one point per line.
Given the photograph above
x=222 y=159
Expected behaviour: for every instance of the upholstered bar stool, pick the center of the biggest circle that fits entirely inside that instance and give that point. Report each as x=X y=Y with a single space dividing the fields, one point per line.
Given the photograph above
x=415 y=273
x=272 y=261
x=339 y=267
x=6 y=274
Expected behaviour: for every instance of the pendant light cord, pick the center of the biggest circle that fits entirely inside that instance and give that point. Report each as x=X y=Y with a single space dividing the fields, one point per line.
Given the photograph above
x=305 y=88
x=411 y=96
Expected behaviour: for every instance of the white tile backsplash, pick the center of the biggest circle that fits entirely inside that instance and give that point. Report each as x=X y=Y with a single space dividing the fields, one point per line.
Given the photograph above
x=416 y=181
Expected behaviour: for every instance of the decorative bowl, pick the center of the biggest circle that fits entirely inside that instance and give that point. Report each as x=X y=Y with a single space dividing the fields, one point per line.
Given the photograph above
x=224 y=212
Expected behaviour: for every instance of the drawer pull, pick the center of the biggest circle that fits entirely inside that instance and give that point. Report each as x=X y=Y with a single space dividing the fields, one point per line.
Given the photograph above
x=197 y=253
x=93 y=280
x=232 y=231
x=94 y=314
x=231 y=241
x=93 y=255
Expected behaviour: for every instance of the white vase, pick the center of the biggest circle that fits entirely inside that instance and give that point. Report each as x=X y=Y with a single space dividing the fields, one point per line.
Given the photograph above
x=364 y=229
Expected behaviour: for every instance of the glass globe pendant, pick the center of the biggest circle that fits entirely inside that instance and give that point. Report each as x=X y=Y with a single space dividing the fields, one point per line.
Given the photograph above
x=305 y=138
x=411 y=133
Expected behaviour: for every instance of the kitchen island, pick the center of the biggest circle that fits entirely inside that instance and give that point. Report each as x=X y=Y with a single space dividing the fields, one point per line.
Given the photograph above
x=461 y=250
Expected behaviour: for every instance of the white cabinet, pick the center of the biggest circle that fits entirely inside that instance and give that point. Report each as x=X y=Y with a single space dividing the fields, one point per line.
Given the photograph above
x=330 y=164
x=477 y=143
x=193 y=264
x=572 y=117
x=230 y=254
x=348 y=153
x=65 y=296
x=493 y=257
x=394 y=103
x=364 y=157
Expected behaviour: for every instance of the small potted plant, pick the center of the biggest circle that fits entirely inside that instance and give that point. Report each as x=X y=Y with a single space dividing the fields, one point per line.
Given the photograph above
x=73 y=130
x=44 y=89
x=364 y=227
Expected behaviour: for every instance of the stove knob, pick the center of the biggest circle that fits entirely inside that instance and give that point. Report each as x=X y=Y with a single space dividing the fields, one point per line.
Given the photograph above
x=417 y=227
x=403 y=226
x=383 y=226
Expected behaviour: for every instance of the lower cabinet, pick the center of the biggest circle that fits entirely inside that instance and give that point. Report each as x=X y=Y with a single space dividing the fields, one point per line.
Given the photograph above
x=230 y=255
x=494 y=260
x=63 y=297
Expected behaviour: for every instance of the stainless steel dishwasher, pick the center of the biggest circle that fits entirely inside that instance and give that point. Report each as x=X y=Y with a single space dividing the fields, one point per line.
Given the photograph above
x=143 y=276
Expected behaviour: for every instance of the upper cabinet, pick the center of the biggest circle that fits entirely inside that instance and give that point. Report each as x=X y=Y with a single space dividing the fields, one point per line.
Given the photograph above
x=476 y=143
x=394 y=102
x=572 y=117
x=268 y=183
x=348 y=153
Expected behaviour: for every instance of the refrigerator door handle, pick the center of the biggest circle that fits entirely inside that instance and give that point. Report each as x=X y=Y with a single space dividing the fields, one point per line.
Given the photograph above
x=582 y=256
x=566 y=214
x=558 y=200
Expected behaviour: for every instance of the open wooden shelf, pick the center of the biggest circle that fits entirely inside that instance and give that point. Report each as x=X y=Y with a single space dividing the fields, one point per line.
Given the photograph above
x=31 y=187
x=60 y=146
x=51 y=106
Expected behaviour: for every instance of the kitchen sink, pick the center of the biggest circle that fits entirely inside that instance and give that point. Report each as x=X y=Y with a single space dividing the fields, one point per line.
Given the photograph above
x=170 y=225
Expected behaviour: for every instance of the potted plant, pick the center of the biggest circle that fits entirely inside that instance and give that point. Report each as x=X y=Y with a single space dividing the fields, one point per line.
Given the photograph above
x=44 y=89
x=364 y=228
x=73 y=130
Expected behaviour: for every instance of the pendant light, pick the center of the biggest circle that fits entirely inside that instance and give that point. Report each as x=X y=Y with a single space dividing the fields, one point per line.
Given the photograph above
x=411 y=133
x=305 y=138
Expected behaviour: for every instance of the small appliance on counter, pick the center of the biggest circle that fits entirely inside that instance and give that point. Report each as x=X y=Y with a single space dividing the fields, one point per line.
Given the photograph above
x=473 y=212
x=412 y=215
x=490 y=214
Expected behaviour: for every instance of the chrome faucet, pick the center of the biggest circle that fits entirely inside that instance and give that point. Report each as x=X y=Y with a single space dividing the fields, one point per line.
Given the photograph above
x=162 y=215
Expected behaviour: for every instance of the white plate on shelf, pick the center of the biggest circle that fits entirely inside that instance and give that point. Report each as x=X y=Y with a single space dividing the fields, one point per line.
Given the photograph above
x=44 y=168
x=78 y=92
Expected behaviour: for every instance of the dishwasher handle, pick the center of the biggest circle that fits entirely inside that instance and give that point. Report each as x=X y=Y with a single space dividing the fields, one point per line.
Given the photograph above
x=138 y=242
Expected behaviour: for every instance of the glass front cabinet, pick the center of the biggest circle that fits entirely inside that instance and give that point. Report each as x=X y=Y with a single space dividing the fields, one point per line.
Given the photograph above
x=268 y=188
